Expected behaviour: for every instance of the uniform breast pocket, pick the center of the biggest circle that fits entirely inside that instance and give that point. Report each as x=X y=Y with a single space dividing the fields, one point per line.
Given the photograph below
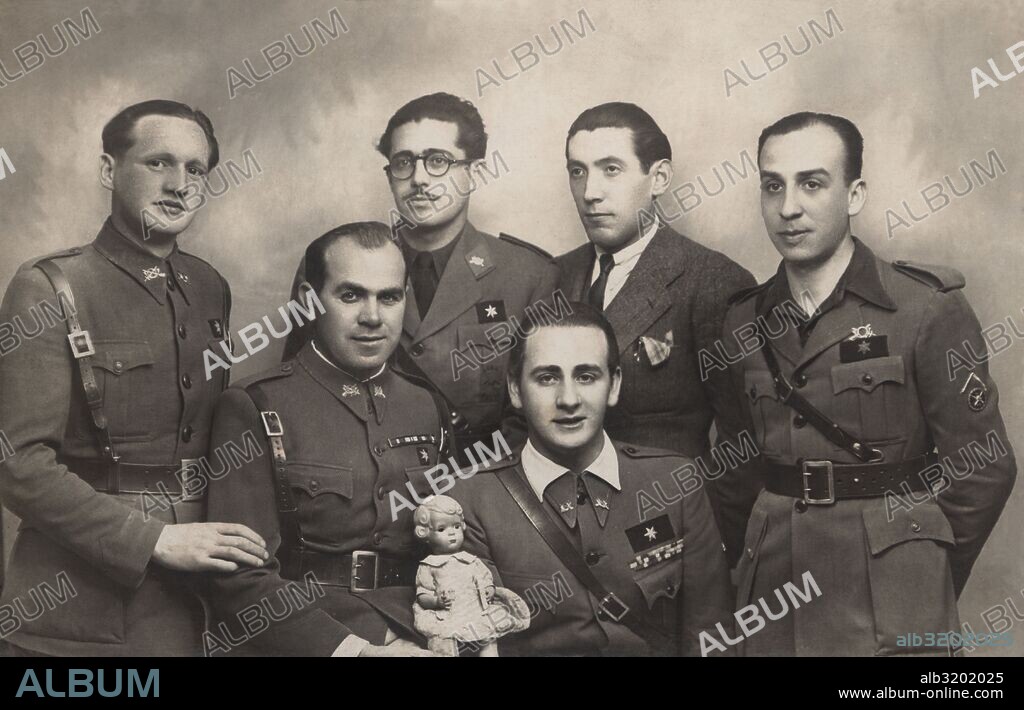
x=124 y=372
x=771 y=418
x=322 y=495
x=869 y=397
x=909 y=574
x=660 y=587
x=483 y=347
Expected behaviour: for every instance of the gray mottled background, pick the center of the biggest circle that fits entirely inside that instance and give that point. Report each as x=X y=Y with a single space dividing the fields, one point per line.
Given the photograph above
x=900 y=70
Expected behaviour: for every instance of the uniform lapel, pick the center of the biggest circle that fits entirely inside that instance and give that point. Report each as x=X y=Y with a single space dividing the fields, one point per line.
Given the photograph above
x=833 y=327
x=458 y=289
x=644 y=296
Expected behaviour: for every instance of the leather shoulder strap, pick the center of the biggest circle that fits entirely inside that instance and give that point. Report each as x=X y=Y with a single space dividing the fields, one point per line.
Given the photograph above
x=571 y=558
x=287 y=512
x=82 y=350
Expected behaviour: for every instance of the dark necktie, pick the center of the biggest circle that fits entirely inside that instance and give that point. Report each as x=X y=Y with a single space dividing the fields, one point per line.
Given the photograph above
x=424 y=281
x=596 y=295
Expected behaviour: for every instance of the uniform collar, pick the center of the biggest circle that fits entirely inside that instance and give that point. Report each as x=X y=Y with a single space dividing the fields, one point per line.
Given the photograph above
x=151 y=272
x=439 y=257
x=861 y=278
x=366 y=397
x=541 y=471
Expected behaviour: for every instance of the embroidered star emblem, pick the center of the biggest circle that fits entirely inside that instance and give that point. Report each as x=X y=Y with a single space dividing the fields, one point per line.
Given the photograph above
x=350 y=390
x=424 y=456
x=864 y=347
x=378 y=391
x=650 y=534
x=476 y=260
x=491 y=311
x=153 y=273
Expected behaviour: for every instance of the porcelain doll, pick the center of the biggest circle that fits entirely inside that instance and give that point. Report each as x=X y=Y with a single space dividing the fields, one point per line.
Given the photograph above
x=456 y=600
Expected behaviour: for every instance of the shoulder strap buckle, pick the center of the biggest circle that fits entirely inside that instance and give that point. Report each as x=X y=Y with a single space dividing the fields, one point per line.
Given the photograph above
x=272 y=424
x=81 y=344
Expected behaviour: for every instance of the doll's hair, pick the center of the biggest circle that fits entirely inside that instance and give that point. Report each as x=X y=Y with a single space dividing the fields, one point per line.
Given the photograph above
x=434 y=504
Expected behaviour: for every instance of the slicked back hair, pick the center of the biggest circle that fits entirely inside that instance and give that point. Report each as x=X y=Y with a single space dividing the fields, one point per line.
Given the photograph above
x=118 y=134
x=582 y=315
x=471 y=136
x=649 y=142
x=368 y=235
x=853 y=141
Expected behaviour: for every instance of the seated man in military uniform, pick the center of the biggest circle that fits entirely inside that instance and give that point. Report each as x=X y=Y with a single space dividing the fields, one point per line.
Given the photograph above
x=559 y=518
x=344 y=429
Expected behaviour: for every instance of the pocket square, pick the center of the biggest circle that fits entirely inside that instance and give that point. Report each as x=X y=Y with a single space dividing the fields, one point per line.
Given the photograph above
x=657 y=350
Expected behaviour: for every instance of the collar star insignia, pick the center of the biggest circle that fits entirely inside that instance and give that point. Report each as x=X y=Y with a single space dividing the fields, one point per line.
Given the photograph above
x=565 y=507
x=350 y=390
x=650 y=534
x=491 y=311
x=601 y=503
x=378 y=391
x=424 y=455
x=153 y=273
x=864 y=347
x=183 y=277
x=476 y=260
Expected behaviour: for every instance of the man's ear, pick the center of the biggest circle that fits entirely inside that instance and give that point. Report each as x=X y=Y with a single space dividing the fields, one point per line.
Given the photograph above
x=107 y=165
x=661 y=171
x=613 y=393
x=857 y=196
x=513 y=391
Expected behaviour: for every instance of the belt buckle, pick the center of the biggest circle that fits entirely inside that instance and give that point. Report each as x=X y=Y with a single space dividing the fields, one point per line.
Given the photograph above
x=191 y=470
x=610 y=602
x=357 y=577
x=811 y=467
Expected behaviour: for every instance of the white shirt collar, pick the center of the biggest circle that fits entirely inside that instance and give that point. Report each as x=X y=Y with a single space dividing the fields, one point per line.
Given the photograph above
x=635 y=249
x=541 y=471
x=325 y=359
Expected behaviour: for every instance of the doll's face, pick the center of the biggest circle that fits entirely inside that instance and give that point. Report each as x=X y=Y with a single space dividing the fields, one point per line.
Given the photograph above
x=445 y=534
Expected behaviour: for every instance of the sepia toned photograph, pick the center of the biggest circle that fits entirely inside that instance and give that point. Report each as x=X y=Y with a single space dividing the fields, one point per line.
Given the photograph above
x=480 y=328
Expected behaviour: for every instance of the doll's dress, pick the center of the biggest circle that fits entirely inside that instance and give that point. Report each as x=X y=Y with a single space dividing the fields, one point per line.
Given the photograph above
x=468 y=578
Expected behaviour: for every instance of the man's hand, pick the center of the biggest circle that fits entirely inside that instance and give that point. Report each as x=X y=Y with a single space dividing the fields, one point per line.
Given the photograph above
x=395 y=649
x=209 y=547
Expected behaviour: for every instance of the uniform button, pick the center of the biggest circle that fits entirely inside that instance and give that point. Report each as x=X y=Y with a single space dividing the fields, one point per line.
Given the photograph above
x=750 y=552
x=182 y=331
x=630 y=450
x=170 y=282
x=602 y=615
x=287 y=367
x=800 y=380
x=379 y=450
x=670 y=588
x=867 y=379
x=186 y=434
x=186 y=381
x=314 y=485
x=753 y=392
x=377 y=538
x=593 y=558
x=800 y=506
x=581 y=497
x=417 y=349
x=118 y=366
x=799 y=421
x=380 y=492
x=915 y=526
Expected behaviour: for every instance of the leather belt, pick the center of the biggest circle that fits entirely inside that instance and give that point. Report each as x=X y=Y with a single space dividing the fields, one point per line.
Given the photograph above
x=819 y=482
x=117 y=477
x=361 y=571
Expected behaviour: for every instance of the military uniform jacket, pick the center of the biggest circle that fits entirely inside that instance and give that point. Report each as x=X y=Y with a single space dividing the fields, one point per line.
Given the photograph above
x=672 y=307
x=885 y=566
x=686 y=592
x=150 y=320
x=349 y=446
